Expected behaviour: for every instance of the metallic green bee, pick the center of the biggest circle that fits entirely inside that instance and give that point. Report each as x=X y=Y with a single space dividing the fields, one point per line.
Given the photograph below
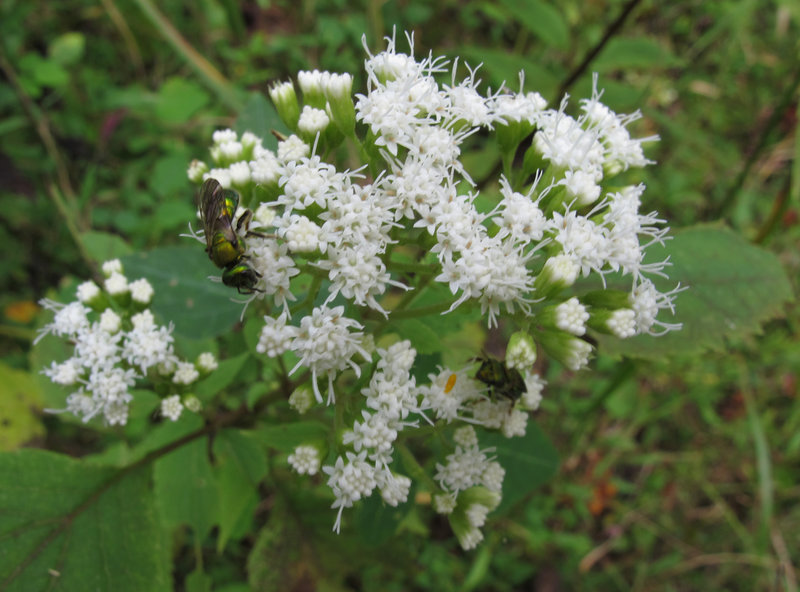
x=224 y=244
x=501 y=380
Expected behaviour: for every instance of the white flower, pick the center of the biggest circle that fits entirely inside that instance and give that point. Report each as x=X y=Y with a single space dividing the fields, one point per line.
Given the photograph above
x=571 y=316
x=581 y=186
x=240 y=174
x=112 y=266
x=292 y=148
x=302 y=235
x=147 y=344
x=521 y=352
x=305 y=460
x=265 y=169
x=141 y=291
x=586 y=242
x=87 y=291
x=97 y=348
x=312 y=121
x=68 y=321
x=622 y=323
x=532 y=397
x=465 y=437
x=116 y=284
x=171 y=407
x=196 y=170
x=110 y=321
x=326 y=346
x=282 y=92
x=394 y=488
x=578 y=355
x=444 y=503
x=350 y=481
x=66 y=373
x=192 y=403
x=264 y=215
x=301 y=399
x=493 y=475
x=207 y=362
x=514 y=423
x=224 y=136
x=186 y=373
x=276 y=336
x=464 y=469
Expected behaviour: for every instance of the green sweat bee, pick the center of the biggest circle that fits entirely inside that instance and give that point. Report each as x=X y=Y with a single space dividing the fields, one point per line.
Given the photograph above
x=501 y=380
x=224 y=243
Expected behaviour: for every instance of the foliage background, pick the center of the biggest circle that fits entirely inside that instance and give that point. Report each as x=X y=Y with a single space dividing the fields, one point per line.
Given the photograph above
x=675 y=474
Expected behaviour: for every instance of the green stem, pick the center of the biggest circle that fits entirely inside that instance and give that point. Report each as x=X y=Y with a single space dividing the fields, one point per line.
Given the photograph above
x=213 y=77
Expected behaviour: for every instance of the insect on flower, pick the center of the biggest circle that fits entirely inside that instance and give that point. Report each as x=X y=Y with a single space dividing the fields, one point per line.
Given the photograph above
x=224 y=243
x=501 y=380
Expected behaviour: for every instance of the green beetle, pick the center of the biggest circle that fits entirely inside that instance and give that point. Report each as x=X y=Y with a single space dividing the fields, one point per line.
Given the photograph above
x=501 y=380
x=224 y=244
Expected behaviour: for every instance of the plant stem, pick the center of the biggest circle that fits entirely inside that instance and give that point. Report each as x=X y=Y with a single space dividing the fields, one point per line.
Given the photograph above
x=213 y=77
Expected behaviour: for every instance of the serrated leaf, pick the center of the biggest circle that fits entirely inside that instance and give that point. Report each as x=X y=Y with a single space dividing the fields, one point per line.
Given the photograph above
x=287 y=436
x=529 y=461
x=18 y=405
x=103 y=246
x=185 y=487
x=638 y=52
x=542 y=20
x=259 y=116
x=69 y=525
x=184 y=295
x=733 y=288
x=240 y=465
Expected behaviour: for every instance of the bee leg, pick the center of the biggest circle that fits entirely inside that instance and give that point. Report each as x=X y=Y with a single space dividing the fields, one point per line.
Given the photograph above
x=243 y=223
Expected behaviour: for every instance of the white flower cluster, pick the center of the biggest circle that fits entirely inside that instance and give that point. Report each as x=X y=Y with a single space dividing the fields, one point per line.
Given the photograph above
x=363 y=233
x=116 y=342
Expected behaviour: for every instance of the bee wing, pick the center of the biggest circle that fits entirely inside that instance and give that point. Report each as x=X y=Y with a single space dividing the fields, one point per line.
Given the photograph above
x=209 y=203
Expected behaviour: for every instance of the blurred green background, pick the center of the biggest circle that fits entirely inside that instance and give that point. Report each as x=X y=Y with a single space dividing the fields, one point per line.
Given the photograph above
x=680 y=474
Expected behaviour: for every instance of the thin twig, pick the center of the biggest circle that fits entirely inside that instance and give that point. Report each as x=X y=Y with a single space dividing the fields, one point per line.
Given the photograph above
x=777 y=113
x=42 y=127
x=611 y=30
x=202 y=66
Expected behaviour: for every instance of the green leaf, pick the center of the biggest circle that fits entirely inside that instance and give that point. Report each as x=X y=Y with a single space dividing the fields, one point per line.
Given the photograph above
x=69 y=525
x=67 y=49
x=186 y=488
x=103 y=246
x=639 y=52
x=424 y=339
x=168 y=181
x=287 y=436
x=179 y=99
x=172 y=214
x=221 y=377
x=733 y=288
x=240 y=465
x=259 y=117
x=530 y=462
x=199 y=307
x=282 y=558
x=21 y=398
x=542 y=20
x=376 y=521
